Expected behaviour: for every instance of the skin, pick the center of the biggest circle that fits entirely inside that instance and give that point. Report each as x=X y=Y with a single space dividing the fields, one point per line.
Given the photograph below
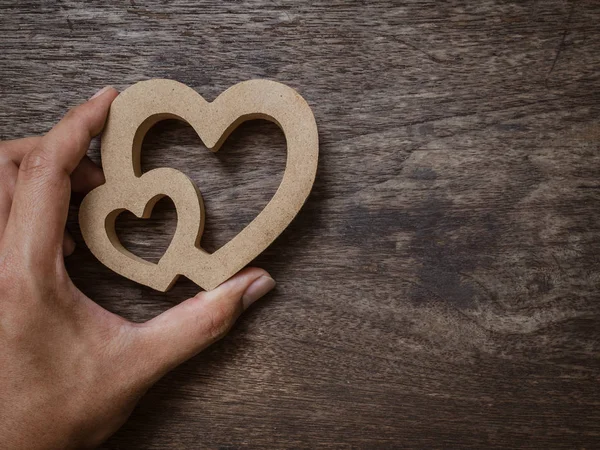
x=71 y=372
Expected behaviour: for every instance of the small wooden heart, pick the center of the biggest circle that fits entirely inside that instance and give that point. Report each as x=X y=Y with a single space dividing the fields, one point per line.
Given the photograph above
x=131 y=115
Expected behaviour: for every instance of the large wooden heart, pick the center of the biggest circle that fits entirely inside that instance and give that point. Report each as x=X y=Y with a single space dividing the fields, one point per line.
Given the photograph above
x=131 y=115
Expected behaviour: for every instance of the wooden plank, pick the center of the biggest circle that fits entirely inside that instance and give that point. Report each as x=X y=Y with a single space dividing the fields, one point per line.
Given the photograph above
x=440 y=287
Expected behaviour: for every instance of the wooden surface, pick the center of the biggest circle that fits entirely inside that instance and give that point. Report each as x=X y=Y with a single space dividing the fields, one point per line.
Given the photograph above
x=441 y=286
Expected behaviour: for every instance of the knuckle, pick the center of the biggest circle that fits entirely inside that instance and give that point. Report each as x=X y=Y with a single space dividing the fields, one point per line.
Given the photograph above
x=34 y=163
x=39 y=167
x=219 y=321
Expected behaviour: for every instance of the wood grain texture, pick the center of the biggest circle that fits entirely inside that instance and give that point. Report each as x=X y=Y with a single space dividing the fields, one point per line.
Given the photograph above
x=440 y=289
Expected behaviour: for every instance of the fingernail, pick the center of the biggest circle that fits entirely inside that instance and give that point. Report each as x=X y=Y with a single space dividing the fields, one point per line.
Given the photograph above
x=100 y=92
x=257 y=289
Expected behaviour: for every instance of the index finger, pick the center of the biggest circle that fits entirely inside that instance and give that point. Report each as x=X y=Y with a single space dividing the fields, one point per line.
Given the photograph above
x=41 y=199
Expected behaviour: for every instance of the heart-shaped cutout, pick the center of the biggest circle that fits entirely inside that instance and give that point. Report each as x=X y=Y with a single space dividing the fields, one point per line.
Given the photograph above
x=148 y=238
x=132 y=114
x=236 y=183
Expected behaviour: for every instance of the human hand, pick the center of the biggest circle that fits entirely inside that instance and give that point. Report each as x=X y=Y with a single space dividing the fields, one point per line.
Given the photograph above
x=70 y=371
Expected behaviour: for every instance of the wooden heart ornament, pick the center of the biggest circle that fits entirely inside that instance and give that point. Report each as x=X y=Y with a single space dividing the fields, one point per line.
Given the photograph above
x=131 y=115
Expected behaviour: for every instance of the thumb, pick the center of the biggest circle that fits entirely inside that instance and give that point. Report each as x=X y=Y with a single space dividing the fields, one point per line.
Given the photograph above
x=186 y=329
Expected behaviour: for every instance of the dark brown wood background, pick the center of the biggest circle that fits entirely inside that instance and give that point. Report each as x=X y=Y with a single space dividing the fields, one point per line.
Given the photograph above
x=441 y=286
